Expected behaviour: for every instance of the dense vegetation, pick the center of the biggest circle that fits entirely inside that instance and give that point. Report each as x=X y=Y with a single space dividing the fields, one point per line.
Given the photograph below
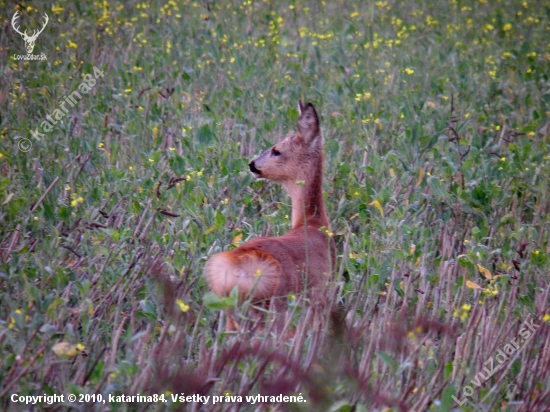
x=435 y=116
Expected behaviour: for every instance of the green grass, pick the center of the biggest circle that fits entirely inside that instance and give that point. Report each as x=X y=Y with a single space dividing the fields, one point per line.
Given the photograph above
x=438 y=111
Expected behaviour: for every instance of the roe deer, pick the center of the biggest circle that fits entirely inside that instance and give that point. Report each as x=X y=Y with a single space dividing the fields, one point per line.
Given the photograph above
x=303 y=258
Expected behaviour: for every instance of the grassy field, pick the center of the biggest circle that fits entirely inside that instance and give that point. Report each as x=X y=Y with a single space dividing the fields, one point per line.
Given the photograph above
x=435 y=116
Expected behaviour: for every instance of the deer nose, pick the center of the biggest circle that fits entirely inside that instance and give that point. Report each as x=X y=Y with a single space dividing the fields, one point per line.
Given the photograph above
x=253 y=168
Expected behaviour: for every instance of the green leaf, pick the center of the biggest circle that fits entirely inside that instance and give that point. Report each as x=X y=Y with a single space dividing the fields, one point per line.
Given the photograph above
x=465 y=262
x=213 y=302
x=398 y=289
x=33 y=293
x=448 y=370
x=64 y=214
x=387 y=360
x=53 y=306
x=341 y=406
x=48 y=212
x=234 y=295
x=205 y=134
x=437 y=188
x=447 y=401
x=220 y=220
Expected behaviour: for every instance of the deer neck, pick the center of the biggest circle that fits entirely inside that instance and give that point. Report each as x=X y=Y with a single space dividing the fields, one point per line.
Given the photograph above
x=308 y=205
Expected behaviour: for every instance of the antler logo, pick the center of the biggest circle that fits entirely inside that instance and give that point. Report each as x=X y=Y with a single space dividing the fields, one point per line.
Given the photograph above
x=29 y=40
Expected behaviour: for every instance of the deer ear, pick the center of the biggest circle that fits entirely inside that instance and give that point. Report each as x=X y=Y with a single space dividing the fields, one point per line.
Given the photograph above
x=308 y=123
x=300 y=107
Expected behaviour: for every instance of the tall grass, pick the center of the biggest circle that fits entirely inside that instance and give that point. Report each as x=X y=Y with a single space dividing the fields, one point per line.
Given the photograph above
x=435 y=117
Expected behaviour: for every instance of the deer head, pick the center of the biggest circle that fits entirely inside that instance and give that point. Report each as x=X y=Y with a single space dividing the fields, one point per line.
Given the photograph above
x=29 y=40
x=296 y=156
x=297 y=163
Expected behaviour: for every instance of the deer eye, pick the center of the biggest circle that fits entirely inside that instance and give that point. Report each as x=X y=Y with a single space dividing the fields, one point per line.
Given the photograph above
x=275 y=152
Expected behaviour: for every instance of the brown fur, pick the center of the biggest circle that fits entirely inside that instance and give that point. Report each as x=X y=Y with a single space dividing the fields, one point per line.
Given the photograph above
x=303 y=258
